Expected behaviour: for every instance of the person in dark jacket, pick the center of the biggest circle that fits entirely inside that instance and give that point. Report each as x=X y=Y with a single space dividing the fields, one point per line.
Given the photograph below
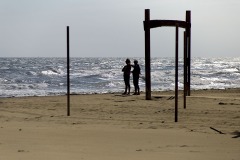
x=136 y=72
x=126 y=76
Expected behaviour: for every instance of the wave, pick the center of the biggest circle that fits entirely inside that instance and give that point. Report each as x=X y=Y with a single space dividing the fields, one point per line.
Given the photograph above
x=47 y=76
x=31 y=73
x=53 y=72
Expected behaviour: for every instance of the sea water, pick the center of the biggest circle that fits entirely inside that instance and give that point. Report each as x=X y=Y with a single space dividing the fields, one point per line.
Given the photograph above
x=48 y=76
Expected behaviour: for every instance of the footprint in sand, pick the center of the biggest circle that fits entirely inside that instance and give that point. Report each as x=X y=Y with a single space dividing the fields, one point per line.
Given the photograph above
x=20 y=150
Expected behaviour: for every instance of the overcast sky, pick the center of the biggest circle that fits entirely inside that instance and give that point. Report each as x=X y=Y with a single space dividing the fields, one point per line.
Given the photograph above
x=114 y=28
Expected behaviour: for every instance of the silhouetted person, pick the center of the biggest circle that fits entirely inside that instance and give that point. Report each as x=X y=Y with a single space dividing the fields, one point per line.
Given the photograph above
x=126 y=76
x=136 y=72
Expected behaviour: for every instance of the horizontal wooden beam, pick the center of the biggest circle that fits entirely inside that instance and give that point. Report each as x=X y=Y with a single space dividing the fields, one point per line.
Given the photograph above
x=168 y=23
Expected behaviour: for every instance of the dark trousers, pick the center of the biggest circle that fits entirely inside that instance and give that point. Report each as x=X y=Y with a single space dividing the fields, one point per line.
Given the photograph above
x=127 y=83
x=135 y=83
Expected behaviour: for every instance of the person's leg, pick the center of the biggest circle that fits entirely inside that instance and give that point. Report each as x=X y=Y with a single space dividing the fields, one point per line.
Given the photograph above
x=128 y=86
x=135 y=85
x=125 y=81
x=125 y=92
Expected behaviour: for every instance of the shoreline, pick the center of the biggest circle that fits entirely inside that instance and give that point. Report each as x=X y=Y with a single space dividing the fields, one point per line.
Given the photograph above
x=142 y=93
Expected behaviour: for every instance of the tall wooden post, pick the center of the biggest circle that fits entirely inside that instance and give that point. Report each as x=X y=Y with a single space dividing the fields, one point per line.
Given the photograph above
x=147 y=54
x=68 y=73
x=185 y=70
x=176 y=76
x=188 y=29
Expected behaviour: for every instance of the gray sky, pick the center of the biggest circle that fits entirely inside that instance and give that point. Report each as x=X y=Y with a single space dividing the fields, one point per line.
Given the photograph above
x=114 y=28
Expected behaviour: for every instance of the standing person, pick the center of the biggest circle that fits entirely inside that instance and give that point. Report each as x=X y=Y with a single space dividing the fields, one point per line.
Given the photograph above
x=136 y=72
x=126 y=76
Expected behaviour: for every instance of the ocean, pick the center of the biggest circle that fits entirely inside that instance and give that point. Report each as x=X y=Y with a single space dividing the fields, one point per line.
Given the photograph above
x=21 y=77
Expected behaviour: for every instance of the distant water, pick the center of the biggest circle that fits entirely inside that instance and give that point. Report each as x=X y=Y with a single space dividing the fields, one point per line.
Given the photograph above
x=47 y=76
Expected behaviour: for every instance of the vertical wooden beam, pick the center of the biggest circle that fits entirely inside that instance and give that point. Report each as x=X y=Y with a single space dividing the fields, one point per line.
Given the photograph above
x=147 y=54
x=188 y=20
x=176 y=76
x=185 y=69
x=68 y=73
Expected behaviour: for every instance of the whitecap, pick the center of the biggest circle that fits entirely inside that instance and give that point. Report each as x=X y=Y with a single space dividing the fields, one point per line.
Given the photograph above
x=31 y=73
x=230 y=70
x=49 y=72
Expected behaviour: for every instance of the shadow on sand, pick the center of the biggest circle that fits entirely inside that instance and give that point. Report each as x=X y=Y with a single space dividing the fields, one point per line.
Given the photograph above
x=237 y=134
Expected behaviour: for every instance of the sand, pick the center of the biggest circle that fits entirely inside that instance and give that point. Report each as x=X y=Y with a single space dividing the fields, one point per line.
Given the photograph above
x=116 y=127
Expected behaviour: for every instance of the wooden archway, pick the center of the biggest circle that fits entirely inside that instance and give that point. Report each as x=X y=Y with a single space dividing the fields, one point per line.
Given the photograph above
x=148 y=24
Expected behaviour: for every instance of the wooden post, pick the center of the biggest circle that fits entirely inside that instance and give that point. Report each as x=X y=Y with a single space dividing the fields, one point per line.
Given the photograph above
x=188 y=20
x=176 y=76
x=185 y=70
x=147 y=54
x=68 y=74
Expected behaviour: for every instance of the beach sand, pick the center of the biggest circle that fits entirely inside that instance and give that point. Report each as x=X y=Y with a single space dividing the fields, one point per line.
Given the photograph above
x=117 y=127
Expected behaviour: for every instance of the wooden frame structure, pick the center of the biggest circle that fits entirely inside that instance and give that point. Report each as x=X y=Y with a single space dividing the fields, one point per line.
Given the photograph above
x=148 y=24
